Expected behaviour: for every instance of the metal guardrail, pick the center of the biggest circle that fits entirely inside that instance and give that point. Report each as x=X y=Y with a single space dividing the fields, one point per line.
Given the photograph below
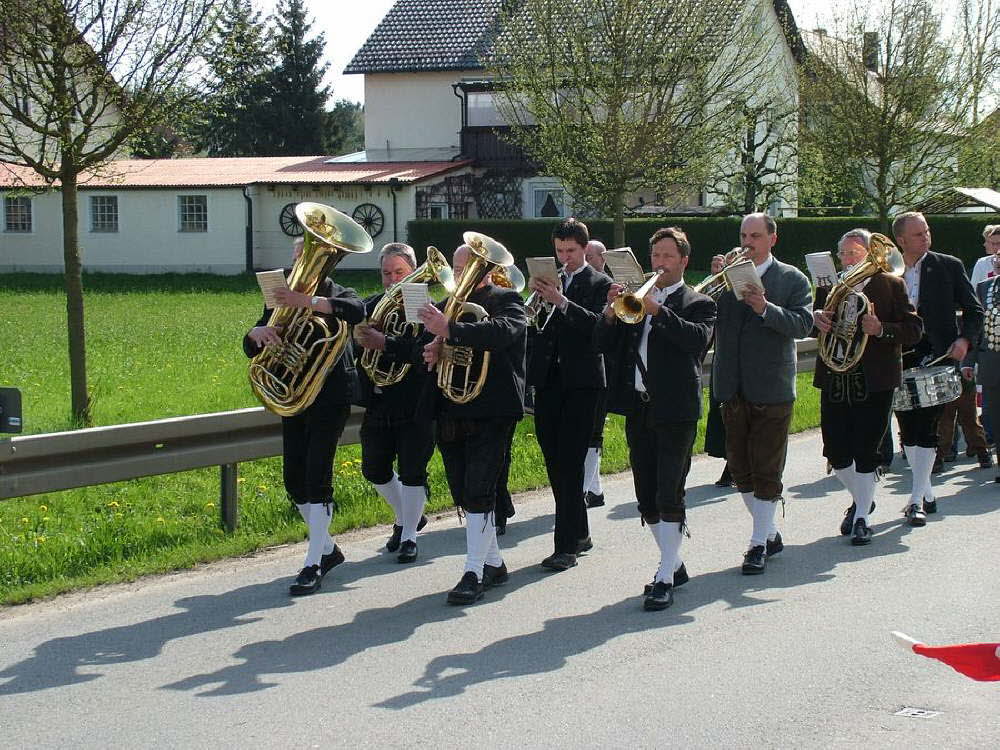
x=33 y=464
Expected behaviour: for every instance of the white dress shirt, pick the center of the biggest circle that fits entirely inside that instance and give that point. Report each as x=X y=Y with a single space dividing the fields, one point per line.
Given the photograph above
x=660 y=295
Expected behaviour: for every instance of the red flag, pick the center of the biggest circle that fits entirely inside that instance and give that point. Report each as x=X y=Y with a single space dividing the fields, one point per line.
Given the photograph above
x=980 y=661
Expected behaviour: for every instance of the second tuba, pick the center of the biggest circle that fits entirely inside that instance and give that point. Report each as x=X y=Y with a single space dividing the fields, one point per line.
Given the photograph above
x=389 y=318
x=461 y=370
x=842 y=347
x=287 y=377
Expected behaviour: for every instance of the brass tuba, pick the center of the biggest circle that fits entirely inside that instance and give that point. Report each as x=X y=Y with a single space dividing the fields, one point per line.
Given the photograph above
x=842 y=346
x=287 y=377
x=389 y=318
x=718 y=283
x=461 y=370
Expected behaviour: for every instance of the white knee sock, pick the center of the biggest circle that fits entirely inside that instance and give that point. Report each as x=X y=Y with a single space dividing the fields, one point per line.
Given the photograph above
x=864 y=485
x=303 y=510
x=847 y=478
x=592 y=471
x=921 y=462
x=763 y=520
x=748 y=501
x=412 y=502
x=391 y=492
x=320 y=542
x=493 y=557
x=670 y=538
x=654 y=529
x=480 y=534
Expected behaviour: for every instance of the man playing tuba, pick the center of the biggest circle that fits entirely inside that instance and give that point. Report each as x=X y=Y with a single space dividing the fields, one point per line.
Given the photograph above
x=855 y=404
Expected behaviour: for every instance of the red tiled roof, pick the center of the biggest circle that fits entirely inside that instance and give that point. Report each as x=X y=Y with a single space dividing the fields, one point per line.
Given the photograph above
x=237 y=172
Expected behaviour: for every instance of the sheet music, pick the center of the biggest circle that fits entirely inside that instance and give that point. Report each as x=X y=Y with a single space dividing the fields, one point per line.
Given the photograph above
x=743 y=275
x=415 y=296
x=625 y=269
x=269 y=282
x=821 y=268
x=543 y=268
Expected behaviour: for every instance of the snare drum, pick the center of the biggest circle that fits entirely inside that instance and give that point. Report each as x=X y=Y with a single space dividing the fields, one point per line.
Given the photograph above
x=927 y=386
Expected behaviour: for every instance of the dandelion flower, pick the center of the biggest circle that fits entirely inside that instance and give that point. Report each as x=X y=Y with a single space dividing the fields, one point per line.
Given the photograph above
x=43 y=508
x=25 y=520
x=40 y=539
x=46 y=518
x=113 y=504
x=159 y=519
x=119 y=515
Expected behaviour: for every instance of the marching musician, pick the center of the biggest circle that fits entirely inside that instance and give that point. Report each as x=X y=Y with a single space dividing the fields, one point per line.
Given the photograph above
x=855 y=405
x=593 y=492
x=984 y=361
x=937 y=286
x=389 y=430
x=656 y=384
x=753 y=375
x=474 y=438
x=309 y=438
x=567 y=374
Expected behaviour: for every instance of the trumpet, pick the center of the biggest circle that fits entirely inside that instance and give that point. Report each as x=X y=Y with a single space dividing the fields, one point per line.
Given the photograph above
x=628 y=306
x=535 y=307
x=718 y=283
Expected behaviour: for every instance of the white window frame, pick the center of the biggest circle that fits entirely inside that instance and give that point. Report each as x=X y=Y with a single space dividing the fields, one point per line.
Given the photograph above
x=187 y=220
x=536 y=208
x=9 y=203
x=105 y=226
x=443 y=207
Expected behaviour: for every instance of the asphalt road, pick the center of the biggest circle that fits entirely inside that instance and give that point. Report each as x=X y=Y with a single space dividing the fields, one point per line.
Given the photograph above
x=221 y=657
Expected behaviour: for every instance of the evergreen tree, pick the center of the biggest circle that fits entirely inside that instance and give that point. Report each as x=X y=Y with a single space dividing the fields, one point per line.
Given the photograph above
x=235 y=120
x=297 y=95
x=345 y=128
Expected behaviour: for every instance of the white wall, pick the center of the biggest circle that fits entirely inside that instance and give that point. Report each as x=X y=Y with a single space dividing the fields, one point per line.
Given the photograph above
x=413 y=110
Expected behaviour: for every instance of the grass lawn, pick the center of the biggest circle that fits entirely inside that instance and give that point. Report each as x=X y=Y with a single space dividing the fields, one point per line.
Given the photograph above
x=162 y=346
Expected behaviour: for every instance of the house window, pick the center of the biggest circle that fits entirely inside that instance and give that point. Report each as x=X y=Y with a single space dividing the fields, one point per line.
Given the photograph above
x=192 y=213
x=549 y=203
x=17 y=214
x=438 y=211
x=481 y=110
x=104 y=213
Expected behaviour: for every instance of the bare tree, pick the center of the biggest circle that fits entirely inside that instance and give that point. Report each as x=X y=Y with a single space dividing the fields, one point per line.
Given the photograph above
x=621 y=96
x=978 y=34
x=891 y=104
x=78 y=79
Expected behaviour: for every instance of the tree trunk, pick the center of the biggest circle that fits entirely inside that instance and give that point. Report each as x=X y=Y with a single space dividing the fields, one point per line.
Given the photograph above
x=619 y=219
x=73 y=276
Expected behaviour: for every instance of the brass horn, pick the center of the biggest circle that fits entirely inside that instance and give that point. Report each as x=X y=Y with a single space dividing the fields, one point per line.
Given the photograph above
x=718 y=283
x=628 y=306
x=842 y=347
x=287 y=377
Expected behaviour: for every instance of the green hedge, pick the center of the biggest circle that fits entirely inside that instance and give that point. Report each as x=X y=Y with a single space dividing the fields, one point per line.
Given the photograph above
x=957 y=234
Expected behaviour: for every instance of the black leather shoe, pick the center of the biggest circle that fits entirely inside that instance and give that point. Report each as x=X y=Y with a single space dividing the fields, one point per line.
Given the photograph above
x=680 y=578
x=915 y=516
x=985 y=460
x=592 y=500
x=660 y=597
x=559 y=561
x=584 y=545
x=847 y=525
x=495 y=575
x=407 y=552
x=774 y=546
x=726 y=480
x=393 y=544
x=307 y=581
x=754 y=560
x=930 y=506
x=938 y=466
x=468 y=590
x=861 y=534
x=331 y=561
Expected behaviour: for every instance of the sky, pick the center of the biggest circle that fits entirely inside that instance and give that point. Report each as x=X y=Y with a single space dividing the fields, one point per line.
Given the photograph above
x=348 y=24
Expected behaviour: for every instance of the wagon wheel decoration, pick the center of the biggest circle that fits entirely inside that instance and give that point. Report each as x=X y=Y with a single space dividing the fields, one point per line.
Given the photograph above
x=289 y=224
x=369 y=216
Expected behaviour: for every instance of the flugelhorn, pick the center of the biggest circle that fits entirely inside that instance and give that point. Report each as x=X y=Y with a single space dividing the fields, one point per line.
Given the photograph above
x=287 y=377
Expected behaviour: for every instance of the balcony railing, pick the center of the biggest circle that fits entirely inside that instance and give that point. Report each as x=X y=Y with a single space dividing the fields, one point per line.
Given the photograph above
x=486 y=146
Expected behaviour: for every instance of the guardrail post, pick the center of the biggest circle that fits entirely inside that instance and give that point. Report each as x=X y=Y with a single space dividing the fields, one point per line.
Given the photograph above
x=228 y=496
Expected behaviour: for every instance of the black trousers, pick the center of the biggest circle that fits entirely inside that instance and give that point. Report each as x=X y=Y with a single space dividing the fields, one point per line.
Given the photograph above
x=309 y=441
x=474 y=453
x=853 y=430
x=920 y=426
x=386 y=439
x=600 y=417
x=564 y=423
x=715 y=430
x=504 y=503
x=660 y=454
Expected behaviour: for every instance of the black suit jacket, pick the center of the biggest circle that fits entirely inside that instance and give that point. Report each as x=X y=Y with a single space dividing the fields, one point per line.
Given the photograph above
x=341 y=385
x=563 y=353
x=503 y=335
x=678 y=337
x=944 y=288
x=399 y=400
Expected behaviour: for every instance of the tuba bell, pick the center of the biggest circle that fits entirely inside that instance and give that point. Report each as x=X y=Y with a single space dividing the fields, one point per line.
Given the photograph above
x=287 y=377
x=389 y=317
x=461 y=370
x=842 y=347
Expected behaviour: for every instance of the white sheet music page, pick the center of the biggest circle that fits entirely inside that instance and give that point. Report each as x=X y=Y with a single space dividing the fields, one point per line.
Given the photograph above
x=625 y=269
x=269 y=282
x=543 y=268
x=415 y=296
x=742 y=275
x=821 y=268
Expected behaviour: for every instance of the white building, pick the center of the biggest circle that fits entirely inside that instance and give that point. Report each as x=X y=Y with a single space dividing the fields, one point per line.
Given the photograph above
x=212 y=215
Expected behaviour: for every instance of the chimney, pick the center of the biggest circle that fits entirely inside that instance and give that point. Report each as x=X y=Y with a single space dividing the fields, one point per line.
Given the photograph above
x=870 y=51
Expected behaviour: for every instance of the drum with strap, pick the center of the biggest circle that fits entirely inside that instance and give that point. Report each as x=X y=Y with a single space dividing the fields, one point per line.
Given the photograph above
x=922 y=387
